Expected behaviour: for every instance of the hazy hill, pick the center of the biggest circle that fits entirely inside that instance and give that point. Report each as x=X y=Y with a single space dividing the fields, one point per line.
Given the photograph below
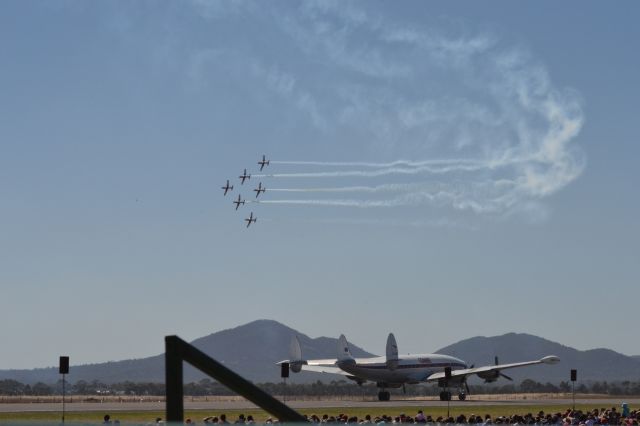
x=251 y=350
x=594 y=364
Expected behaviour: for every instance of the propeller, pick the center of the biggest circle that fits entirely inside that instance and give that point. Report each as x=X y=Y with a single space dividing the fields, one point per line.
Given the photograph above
x=500 y=372
x=466 y=385
x=506 y=377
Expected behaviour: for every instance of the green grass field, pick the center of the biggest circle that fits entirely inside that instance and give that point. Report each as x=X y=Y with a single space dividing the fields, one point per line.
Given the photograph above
x=143 y=417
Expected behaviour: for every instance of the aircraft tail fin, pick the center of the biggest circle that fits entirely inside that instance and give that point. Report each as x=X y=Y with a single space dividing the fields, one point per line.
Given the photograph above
x=392 y=352
x=344 y=354
x=295 y=355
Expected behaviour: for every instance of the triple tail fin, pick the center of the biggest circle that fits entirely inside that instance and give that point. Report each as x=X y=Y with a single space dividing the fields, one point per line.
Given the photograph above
x=344 y=354
x=392 y=352
x=295 y=355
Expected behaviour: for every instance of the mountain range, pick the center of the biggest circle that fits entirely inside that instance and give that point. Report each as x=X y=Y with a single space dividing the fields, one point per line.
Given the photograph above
x=254 y=348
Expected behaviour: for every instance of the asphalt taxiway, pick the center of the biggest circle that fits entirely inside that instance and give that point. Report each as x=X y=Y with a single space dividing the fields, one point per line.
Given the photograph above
x=114 y=406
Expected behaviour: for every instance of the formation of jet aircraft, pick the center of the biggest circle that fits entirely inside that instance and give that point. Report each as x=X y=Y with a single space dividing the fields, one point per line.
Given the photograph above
x=395 y=371
x=227 y=188
x=244 y=177
x=238 y=201
x=260 y=189
x=251 y=219
x=263 y=162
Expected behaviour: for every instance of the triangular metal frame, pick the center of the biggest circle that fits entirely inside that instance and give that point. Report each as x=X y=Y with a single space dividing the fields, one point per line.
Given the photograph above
x=177 y=351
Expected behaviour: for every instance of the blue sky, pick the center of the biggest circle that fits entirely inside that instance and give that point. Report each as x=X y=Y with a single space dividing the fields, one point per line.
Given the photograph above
x=440 y=170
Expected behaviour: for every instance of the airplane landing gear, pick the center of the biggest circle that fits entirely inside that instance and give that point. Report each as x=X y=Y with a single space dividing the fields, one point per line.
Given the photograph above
x=384 y=396
x=445 y=396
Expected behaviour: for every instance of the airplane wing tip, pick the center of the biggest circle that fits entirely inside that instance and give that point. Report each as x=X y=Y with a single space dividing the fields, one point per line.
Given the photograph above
x=550 y=359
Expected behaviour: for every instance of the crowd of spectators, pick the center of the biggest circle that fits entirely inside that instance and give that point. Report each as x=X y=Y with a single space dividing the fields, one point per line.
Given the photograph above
x=596 y=417
x=603 y=416
x=570 y=417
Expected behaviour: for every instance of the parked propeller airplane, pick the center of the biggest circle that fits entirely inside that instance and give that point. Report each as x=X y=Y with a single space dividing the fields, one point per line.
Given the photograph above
x=394 y=371
x=259 y=189
x=238 y=202
x=227 y=188
x=251 y=219
x=244 y=177
x=264 y=162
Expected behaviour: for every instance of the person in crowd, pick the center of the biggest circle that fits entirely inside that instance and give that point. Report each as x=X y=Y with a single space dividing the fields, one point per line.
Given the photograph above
x=366 y=420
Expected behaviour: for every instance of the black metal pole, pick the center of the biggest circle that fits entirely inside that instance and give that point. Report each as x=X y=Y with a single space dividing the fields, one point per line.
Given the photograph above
x=63 y=392
x=178 y=350
x=173 y=380
x=447 y=377
x=448 y=395
x=573 y=388
x=284 y=390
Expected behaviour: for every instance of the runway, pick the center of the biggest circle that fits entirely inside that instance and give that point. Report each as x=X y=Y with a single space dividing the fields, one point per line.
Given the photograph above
x=115 y=406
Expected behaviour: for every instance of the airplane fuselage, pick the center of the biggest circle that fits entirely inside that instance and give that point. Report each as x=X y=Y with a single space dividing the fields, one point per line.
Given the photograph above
x=394 y=370
x=409 y=368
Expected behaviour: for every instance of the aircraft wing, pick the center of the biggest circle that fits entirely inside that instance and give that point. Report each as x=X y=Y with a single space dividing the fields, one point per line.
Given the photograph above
x=324 y=369
x=327 y=362
x=551 y=359
x=320 y=366
x=332 y=362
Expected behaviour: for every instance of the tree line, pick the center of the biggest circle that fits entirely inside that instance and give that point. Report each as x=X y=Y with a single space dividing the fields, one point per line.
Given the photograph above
x=207 y=387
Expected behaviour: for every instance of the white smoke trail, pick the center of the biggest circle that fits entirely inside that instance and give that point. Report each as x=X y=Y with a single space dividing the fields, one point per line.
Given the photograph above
x=411 y=198
x=390 y=171
x=365 y=189
x=340 y=203
x=397 y=163
x=337 y=189
x=393 y=187
x=487 y=197
x=488 y=121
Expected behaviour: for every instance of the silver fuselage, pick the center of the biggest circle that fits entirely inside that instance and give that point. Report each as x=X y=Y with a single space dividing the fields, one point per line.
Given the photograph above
x=409 y=368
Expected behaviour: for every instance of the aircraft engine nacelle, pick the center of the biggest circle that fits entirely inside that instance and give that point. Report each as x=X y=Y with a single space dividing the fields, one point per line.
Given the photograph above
x=493 y=375
x=489 y=376
x=296 y=367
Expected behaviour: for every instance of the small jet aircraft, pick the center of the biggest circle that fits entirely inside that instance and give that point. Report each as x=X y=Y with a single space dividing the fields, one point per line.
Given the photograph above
x=259 y=189
x=395 y=371
x=264 y=162
x=244 y=177
x=238 y=202
x=227 y=188
x=251 y=219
